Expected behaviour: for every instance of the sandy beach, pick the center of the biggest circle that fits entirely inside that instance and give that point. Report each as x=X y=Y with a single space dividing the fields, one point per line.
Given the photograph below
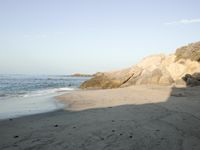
x=138 y=117
x=99 y=75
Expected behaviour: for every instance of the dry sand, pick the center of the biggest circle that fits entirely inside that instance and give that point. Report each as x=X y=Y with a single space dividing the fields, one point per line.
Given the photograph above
x=133 y=118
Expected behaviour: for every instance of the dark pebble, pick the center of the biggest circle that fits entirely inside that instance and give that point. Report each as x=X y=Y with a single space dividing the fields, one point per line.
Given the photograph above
x=113 y=120
x=102 y=139
x=56 y=125
x=74 y=127
x=130 y=136
x=120 y=134
x=113 y=130
x=16 y=136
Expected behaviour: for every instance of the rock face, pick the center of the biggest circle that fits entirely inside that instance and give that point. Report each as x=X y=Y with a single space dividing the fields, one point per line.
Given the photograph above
x=156 y=69
x=110 y=79
x=191 y=51
x=192 y=80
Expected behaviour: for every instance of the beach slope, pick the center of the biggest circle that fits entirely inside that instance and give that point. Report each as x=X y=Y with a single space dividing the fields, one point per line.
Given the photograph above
x=140 y=117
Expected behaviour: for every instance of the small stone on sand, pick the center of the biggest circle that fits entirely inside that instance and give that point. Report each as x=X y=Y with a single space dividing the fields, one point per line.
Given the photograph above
x=16 y=136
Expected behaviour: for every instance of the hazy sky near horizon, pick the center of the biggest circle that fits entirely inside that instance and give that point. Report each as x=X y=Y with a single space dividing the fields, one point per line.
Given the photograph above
x=67 y=36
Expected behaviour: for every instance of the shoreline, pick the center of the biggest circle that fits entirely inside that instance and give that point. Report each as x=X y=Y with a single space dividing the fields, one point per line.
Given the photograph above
x=126 y=118
x=13 y=108
x=102 y=98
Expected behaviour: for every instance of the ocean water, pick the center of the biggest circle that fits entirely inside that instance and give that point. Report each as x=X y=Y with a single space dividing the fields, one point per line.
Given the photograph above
x=22 y=95
x=36 y=85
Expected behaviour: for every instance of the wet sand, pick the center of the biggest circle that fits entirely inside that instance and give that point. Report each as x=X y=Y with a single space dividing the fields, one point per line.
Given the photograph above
x=140 y=118
x=22 y=106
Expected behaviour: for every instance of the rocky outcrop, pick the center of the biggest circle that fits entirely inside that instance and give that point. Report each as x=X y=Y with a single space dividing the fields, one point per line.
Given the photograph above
x=112 y=79
x=192 y=80
x=156 y=69
x=191 y=51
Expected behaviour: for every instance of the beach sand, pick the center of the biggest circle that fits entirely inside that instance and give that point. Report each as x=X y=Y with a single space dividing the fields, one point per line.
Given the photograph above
x=133 y=118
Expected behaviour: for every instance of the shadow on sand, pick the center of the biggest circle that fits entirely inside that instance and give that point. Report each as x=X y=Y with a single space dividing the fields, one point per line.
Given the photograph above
x=170 y=125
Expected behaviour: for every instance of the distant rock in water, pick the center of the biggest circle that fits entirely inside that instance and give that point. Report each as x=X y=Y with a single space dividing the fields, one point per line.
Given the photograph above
x=156 y=69
x=81 y=75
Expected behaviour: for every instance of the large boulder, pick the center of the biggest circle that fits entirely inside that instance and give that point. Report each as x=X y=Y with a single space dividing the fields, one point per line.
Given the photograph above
x=166 y=80
x=176 y=70
x=111 y=79
x=100 y=81
x=149 y=77
x=192 y=80
x=152 y=62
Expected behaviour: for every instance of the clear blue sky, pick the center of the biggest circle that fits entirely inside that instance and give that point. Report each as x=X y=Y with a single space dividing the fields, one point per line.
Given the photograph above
x=67 y=36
